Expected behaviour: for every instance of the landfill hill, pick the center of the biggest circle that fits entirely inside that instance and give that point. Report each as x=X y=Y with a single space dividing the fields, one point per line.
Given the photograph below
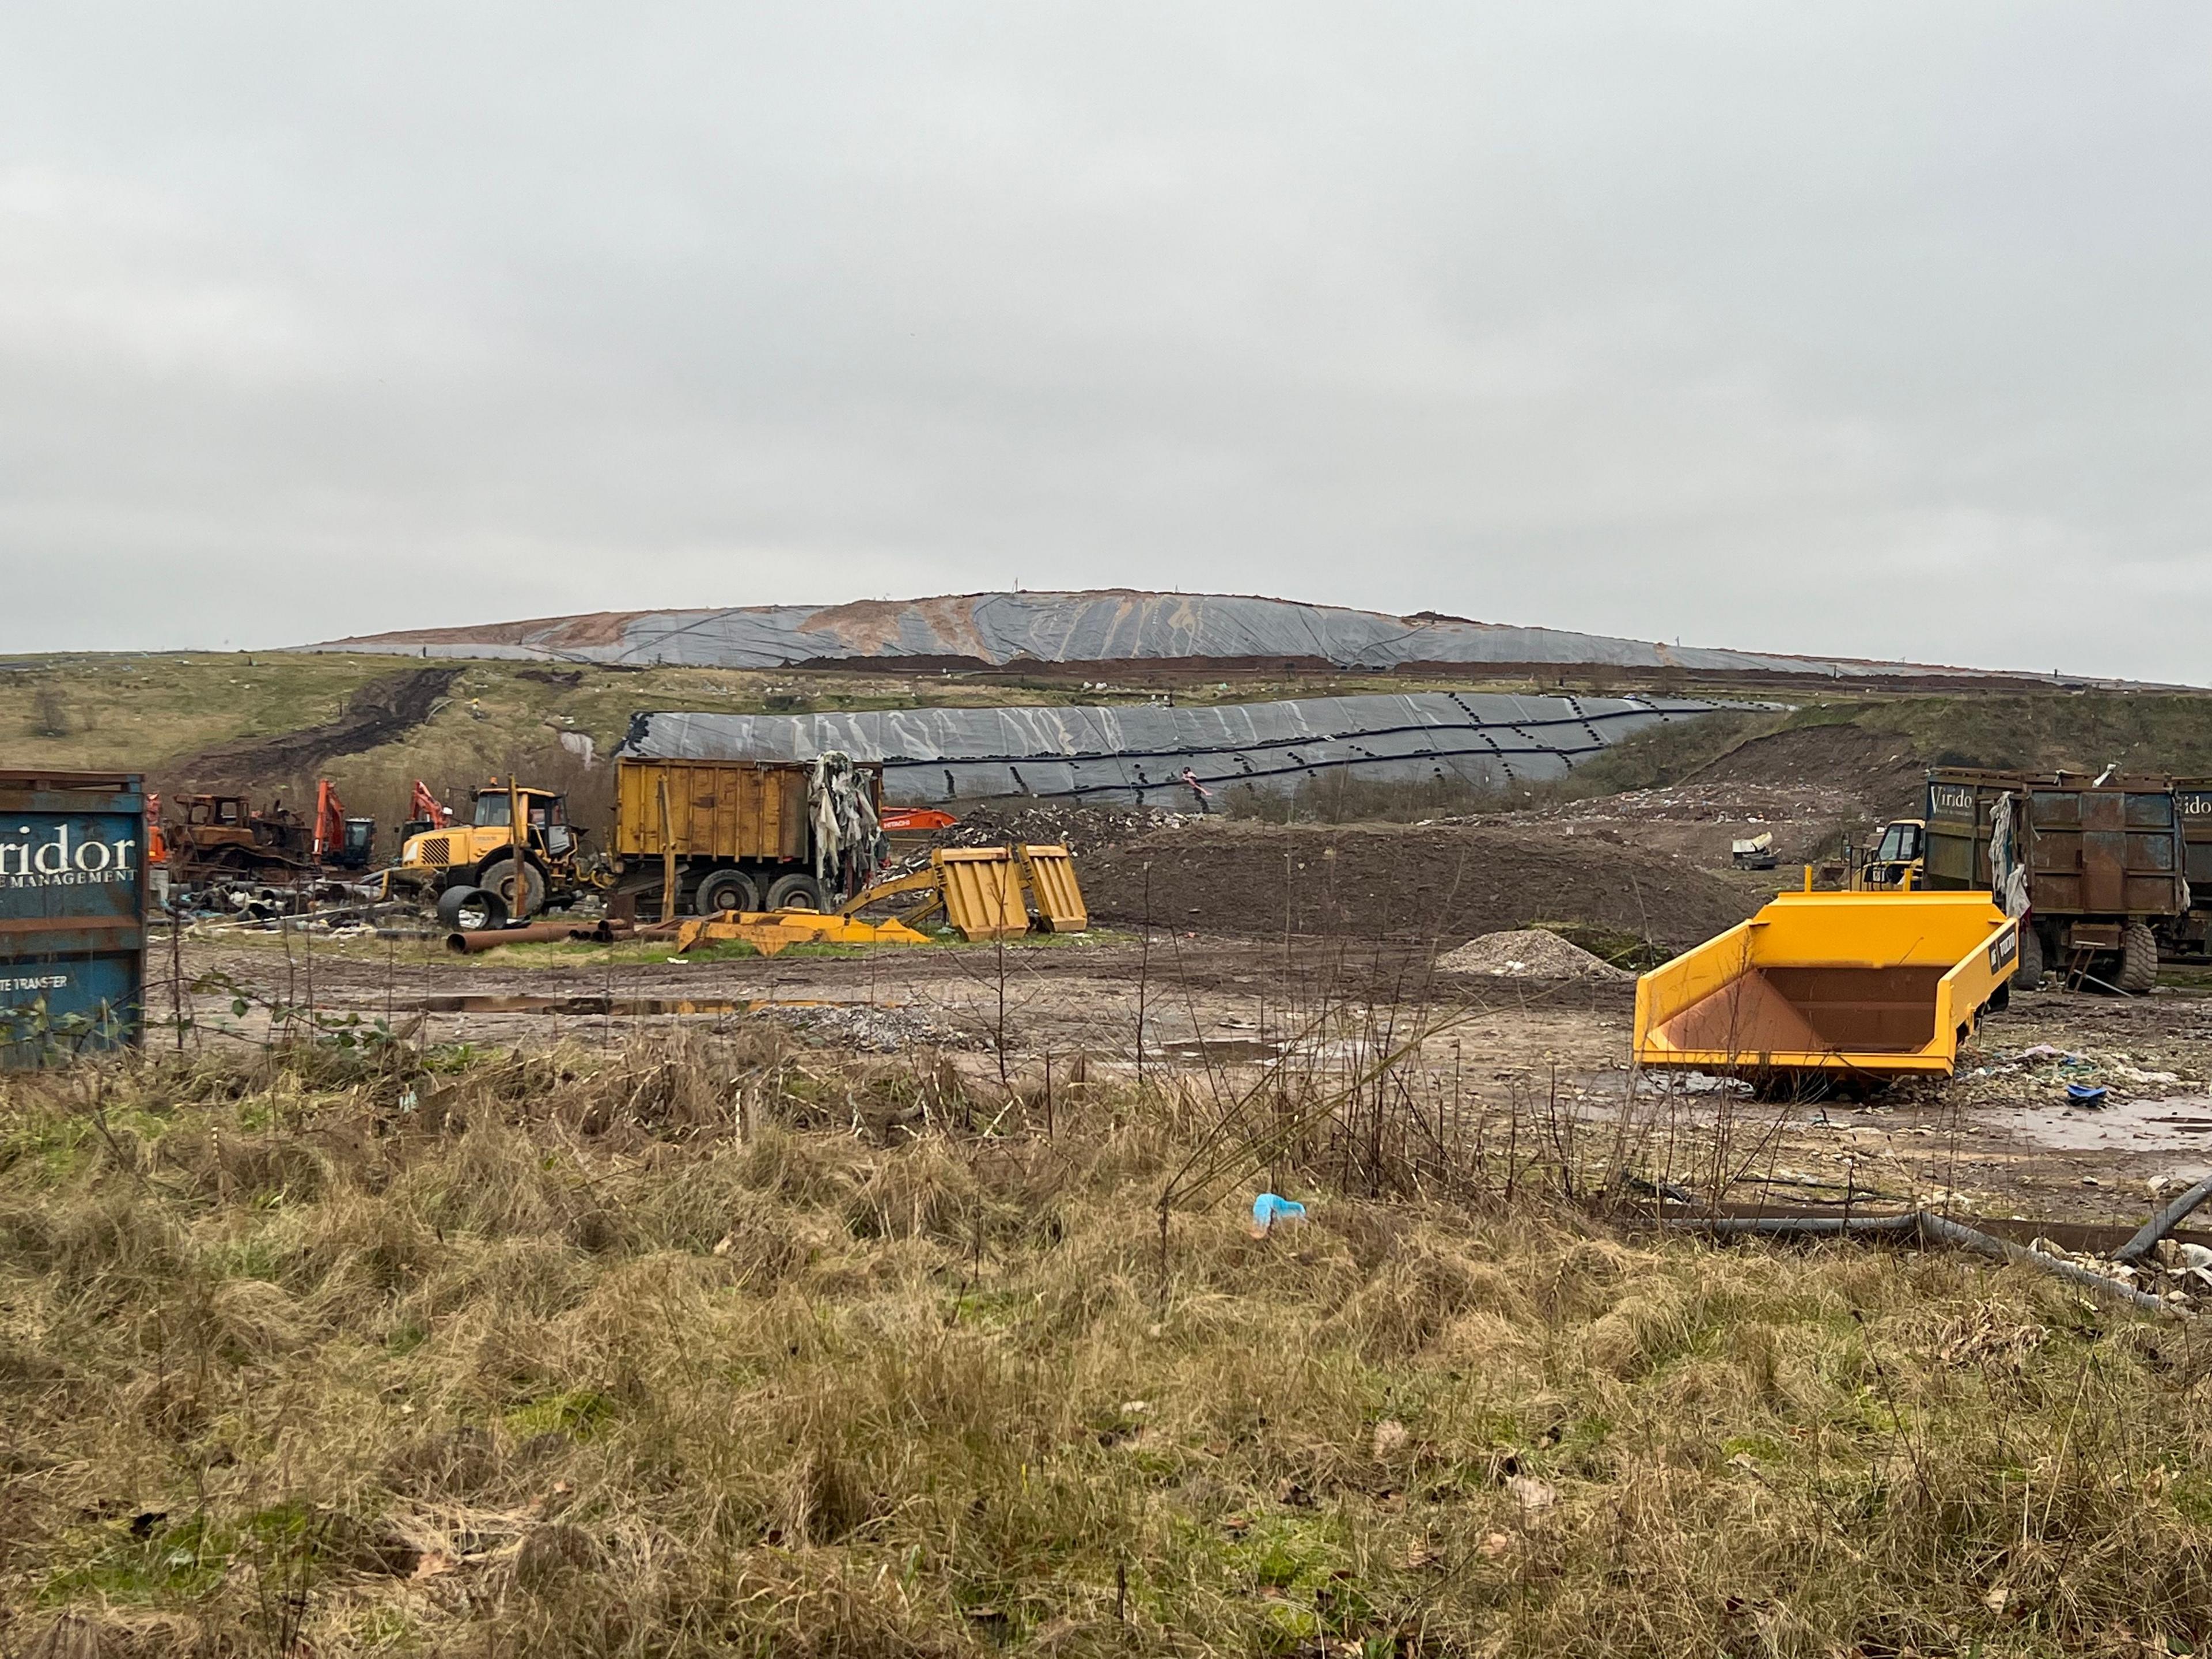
x=1122 y=630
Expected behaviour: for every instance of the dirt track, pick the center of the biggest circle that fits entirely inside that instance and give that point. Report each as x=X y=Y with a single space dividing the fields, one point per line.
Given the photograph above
x=380 y=712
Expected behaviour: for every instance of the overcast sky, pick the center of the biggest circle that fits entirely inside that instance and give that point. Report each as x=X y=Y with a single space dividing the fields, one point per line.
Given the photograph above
x=1878 y=329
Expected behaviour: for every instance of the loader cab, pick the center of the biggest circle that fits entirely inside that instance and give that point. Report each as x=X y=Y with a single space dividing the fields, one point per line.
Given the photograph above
x=548 y=814
x=1898 y=858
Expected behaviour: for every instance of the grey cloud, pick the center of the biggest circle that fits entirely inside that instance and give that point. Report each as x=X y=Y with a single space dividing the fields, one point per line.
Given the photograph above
x=1876 y=331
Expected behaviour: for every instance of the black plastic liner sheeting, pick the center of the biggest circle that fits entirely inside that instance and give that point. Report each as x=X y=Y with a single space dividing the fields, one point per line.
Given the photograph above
x=1138 y=753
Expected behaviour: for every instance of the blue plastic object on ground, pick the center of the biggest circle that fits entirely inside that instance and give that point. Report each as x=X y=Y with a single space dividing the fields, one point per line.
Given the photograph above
x=2086 y=1094
x=1267 y=1209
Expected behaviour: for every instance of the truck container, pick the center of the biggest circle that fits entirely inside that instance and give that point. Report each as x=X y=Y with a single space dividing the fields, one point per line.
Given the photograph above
x=2103 y=858
x=73 y=874
x=1858 y=987
x=743 y=833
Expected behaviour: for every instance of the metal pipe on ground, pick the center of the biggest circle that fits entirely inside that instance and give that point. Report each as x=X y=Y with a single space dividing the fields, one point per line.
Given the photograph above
x=2146 y=1237
x=1921 y=1225
x=537 y=932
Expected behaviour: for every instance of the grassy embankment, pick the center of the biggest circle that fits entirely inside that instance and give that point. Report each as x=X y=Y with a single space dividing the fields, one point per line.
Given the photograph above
x=744 y=1348
x=153 y=714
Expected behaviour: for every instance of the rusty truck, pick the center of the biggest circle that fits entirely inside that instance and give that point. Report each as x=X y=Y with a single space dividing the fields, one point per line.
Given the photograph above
x=747 y=835
x=2100 y=861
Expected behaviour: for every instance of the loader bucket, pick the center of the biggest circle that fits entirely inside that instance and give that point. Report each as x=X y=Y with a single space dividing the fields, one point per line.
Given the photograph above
x=1878 y=984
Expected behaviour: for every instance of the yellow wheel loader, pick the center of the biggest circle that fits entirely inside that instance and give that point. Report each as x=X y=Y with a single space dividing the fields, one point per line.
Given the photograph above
x=470 y=869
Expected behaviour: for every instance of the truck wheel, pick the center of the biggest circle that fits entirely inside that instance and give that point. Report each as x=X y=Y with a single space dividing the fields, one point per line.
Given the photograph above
x=2028 y=976
x=2138 y=959
x=795 y=893
x=727 y=890
x=499 y=879
x=471 y=909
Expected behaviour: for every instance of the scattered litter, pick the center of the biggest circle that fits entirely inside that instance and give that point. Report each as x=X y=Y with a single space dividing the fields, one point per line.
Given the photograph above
x=2044 y=1053
x=875 y=1030
x=2133 y=1074
x=1267 y=1209
x=1390 y=1437
x=1534 y=1495
x=1528 y=953
x=2086 y=1094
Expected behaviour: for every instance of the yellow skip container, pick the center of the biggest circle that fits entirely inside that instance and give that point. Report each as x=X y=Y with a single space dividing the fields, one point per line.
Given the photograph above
x=1881 y=984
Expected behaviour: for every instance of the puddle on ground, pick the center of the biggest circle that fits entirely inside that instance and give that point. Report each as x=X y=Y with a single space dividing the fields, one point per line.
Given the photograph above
x=1222 y=1051
x=485 y=1002
x=2180 y=1124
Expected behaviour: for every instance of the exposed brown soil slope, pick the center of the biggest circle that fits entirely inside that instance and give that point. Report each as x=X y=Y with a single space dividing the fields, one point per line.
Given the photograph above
x=1880 y=767
x=378 y=713
x=1448 y=882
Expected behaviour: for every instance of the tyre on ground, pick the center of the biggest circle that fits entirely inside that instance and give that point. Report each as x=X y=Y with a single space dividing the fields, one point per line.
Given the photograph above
x=2028 y=976
x=795 y=893
x=2138 y=959
x=727 y=890
x=499 y=880
x=471 y=909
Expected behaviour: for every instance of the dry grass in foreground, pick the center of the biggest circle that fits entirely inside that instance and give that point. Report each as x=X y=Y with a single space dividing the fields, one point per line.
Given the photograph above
x=743 y=1349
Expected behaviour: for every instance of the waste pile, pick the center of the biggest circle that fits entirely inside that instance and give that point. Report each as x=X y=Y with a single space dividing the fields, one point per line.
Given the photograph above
x=874 y=1031
x=2178 y=1274
x=2045 y=1072
x=242 y=905
x=1527 y=953
x=1079 y=829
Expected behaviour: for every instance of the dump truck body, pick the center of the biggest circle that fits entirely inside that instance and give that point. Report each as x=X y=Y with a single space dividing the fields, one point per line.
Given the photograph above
x=1871 y=985
x=741 y=833
x=2103 y=860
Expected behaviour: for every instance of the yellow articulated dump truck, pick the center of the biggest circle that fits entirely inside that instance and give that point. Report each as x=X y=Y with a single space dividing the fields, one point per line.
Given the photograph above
x=746 y=835
x=1849 y=988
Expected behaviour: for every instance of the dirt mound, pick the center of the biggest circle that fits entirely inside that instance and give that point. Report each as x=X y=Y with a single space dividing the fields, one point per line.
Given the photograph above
x=378 y=713
x=1408 y=882
x=1527 y=953
x=1880 y=767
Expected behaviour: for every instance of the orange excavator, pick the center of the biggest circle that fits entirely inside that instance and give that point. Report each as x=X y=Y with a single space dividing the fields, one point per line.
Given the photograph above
x=340 y=842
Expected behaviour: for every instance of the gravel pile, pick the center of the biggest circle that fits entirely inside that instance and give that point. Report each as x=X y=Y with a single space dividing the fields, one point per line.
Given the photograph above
x=1527 y=953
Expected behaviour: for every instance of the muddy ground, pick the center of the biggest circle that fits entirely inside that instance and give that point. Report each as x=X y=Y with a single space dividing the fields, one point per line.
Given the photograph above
x=1998 y=1141
x=1291 y=956
x=1404 y=882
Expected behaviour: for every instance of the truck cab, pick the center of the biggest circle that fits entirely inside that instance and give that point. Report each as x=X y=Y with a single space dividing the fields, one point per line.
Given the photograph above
x=1899 y=859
